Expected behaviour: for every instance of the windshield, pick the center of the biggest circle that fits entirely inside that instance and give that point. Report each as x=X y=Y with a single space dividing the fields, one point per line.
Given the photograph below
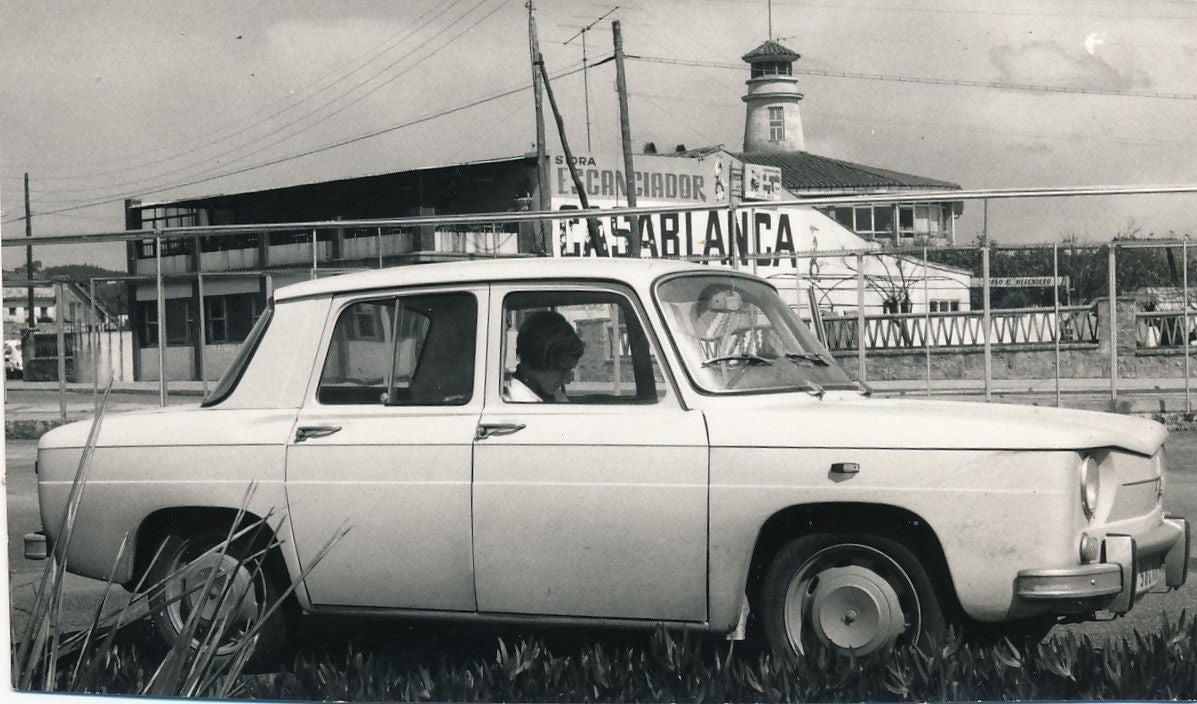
x=735 y=334
x=232 y=375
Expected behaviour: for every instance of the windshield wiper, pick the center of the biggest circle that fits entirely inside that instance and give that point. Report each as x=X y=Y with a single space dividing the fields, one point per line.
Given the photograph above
x=808 y=357
x=813 y=389
x=746 y=358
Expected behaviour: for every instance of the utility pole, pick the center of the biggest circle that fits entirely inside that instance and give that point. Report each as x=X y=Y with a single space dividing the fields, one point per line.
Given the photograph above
x=592 y=230
x=585 y=67
x=542 y=167
x=625 y=130
x=30 y=316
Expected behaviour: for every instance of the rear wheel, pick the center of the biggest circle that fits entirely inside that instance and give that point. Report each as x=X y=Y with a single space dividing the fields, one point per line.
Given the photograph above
x=230 y=590
x=852 y=594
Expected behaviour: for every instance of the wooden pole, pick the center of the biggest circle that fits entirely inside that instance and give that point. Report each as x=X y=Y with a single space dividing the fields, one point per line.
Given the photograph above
x=30 y=315
x=625 y=131
x=542 y=166
x=592 y=230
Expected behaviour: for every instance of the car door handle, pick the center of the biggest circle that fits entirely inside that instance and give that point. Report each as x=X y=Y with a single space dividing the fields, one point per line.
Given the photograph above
x=305 y=432
x=489 y=430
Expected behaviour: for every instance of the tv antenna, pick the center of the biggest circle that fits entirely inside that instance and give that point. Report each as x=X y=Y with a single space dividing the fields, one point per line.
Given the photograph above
x=585 y=64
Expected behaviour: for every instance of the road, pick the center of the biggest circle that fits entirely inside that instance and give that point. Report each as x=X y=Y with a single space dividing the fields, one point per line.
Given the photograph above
x=83 y=595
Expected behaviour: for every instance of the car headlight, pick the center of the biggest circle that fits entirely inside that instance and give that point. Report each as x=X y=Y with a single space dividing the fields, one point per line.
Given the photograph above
x=1090 y=486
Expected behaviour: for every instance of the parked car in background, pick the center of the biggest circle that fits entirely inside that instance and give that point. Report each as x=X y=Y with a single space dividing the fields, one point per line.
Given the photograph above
x=713 y=469
x=13 y=362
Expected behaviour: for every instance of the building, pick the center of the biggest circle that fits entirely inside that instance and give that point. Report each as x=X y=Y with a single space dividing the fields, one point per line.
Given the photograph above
x=221 y=284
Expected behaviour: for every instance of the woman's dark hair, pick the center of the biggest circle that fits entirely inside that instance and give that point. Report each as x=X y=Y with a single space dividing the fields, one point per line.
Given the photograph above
x=547 y=341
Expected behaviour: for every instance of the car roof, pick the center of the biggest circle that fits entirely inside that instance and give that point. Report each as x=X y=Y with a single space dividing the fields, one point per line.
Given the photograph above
x=635 y=272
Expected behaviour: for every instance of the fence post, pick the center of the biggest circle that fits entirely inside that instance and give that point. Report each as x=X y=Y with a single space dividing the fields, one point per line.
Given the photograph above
x=1056 y=308
x=378 y=238
x=1184 y=338
x=986 y=321
x=95 y=351
x=314 y=253
x=1113 y=288
x=60 y=334
x=203 y=325
x=927 y=323
x=161 y=308
x=860 y=317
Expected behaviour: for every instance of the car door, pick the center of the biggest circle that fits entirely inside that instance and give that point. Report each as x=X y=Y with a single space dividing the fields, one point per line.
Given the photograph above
x=596 y=507
x=383 y=445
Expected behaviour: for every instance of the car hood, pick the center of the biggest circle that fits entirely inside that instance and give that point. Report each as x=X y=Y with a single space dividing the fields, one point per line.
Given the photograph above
x=857 y=422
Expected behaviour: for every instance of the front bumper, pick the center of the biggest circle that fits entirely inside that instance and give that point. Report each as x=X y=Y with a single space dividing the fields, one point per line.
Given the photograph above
x=1129 y=568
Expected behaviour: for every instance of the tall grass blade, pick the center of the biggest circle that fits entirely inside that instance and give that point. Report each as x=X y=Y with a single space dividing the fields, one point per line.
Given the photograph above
x=95 y=622
x=43 y=615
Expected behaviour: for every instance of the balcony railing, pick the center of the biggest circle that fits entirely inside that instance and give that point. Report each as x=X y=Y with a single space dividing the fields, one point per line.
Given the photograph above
x=964 y=328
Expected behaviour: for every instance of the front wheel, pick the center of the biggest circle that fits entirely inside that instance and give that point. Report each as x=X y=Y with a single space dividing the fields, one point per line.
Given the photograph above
x=852 y=594
x=227 y=588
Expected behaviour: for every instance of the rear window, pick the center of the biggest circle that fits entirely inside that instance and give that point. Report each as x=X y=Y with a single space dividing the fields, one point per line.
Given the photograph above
x=232 y=375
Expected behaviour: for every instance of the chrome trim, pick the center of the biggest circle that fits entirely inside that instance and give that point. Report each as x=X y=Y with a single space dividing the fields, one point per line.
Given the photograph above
x=1121 y=551
x=1176 y=562
x=1083 y=582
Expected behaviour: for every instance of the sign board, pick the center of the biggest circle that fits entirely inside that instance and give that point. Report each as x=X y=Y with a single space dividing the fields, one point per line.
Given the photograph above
x=1021 y=281
x=660 y=180
x=762 y=182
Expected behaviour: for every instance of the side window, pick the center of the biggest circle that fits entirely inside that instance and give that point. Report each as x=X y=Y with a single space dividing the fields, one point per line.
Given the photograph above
x=577 y=347
x=407 y=351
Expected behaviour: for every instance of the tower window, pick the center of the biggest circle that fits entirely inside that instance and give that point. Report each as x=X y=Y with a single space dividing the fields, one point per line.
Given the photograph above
x=777 y=124
x=772 y=68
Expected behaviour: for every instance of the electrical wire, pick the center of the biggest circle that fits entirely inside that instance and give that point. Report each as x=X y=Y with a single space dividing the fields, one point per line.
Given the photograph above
x=388 y=44
x=1001 y=85
x=241 y=155
x=335 y=145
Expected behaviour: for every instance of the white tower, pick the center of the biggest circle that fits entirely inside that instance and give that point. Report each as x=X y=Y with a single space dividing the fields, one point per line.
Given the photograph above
x=772 y=123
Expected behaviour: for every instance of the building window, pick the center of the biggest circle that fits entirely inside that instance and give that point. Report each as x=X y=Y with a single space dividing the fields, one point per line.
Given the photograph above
x=772 y=68
x=945 y=306
x=229 y=318
x=216 y=319
x=44 y=311
x=12 y=310
x=777 y=124
x=180 y=322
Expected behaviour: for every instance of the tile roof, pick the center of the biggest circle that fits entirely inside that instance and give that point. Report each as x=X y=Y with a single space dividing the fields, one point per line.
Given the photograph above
x=770 y=50
x=804 y=171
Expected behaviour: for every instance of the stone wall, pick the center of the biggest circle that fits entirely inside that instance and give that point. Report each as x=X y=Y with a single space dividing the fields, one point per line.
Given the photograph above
x=1037 y=361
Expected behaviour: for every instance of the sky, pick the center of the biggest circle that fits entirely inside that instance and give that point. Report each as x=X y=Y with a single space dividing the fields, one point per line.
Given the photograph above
x=103 y=101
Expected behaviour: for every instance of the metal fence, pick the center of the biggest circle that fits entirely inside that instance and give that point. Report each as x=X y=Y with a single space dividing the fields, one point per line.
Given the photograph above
x=921 y=317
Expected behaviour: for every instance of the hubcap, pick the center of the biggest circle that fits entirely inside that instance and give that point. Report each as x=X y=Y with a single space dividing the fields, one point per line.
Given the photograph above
x=854 y=609
x=852 y=599
x=236 y=603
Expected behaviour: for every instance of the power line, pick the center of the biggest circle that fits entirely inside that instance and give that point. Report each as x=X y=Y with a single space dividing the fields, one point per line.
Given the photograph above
x=371 y=56
x=327 y=147
x=244 y=155
x=1002 y=85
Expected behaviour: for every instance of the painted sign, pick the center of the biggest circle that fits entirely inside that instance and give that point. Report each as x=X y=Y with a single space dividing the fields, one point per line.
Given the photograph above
x=717 y=233
x=762 y=182
x=1021 y=281
x=660 y=180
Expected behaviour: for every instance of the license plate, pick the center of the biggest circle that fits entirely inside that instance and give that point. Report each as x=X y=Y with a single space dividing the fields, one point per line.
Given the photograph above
x=1150 y=573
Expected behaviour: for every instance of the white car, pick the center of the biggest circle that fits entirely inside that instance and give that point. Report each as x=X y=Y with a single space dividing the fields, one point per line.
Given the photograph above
x=699 y=459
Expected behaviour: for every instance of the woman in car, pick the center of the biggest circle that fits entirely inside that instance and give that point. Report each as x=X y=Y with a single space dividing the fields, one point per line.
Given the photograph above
x=548 y=348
